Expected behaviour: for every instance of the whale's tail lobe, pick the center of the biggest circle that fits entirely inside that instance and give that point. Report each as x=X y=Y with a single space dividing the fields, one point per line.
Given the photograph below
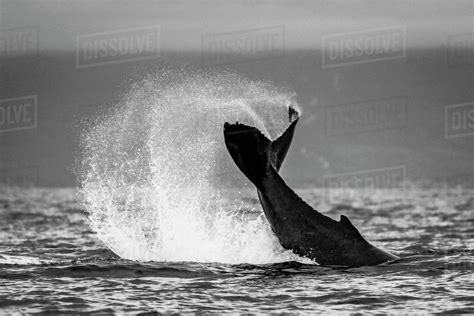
x=253 y=152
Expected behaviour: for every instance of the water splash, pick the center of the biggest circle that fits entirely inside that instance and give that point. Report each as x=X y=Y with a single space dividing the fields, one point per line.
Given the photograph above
x=158 y=181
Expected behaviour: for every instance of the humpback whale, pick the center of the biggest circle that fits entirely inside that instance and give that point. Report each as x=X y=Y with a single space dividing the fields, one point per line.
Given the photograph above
x=296 y=224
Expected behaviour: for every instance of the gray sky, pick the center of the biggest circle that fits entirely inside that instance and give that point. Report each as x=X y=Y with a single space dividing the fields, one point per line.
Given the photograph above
x=184 y=23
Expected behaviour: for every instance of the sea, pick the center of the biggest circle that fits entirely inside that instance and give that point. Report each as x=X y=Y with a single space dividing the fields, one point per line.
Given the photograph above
x=52 y=260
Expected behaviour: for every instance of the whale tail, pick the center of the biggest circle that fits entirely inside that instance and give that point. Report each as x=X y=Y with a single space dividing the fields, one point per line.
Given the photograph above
x=253 y=152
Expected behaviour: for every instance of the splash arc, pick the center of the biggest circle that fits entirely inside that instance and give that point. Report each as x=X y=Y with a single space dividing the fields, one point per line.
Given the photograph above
x=296 y=224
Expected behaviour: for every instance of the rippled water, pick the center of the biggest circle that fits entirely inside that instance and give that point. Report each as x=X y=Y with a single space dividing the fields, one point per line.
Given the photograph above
x=51 y=260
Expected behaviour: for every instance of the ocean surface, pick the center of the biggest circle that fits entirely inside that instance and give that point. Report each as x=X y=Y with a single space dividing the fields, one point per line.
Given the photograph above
x=51 y=260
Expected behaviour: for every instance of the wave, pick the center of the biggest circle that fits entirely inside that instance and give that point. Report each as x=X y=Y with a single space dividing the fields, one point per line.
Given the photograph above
x=156 y=175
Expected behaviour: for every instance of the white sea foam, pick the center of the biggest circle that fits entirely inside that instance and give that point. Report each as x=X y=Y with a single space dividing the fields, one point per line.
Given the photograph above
x=156 y=174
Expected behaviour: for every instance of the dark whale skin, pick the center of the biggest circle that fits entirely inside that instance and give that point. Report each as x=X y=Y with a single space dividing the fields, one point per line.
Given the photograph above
x=296 y=224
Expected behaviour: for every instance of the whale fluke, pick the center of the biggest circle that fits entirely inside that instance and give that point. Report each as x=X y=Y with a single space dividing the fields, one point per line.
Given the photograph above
x=281 y=145
x=250 y=150
x=296 y=224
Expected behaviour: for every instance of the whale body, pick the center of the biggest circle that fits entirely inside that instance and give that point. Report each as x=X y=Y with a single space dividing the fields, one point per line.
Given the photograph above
x=296 y=224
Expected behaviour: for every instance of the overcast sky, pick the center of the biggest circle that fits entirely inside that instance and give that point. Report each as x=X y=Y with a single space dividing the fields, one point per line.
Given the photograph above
x=184 y=23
